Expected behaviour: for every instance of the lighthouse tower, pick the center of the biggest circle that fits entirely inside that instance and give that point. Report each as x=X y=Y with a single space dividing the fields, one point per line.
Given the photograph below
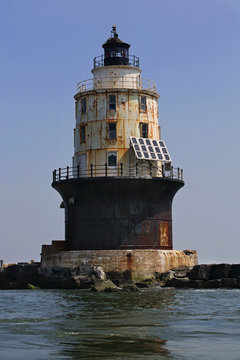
x=118 y=193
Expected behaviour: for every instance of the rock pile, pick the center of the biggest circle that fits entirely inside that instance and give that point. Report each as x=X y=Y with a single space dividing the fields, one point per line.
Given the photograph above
x=32 y=276
x=19 y=276
x=205 y=276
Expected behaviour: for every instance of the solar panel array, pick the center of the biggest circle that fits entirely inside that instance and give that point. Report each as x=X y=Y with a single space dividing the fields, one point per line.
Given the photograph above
x=148 y=149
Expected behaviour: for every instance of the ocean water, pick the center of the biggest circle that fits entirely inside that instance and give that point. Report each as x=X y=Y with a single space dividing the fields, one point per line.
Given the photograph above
x=150 y=324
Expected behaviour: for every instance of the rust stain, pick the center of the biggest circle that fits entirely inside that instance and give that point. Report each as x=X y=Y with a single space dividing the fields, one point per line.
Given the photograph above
x=127 y=116
x=140 y=265
x=164 y=233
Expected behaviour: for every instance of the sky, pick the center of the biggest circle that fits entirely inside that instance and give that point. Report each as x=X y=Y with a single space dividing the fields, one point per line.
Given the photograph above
x=190 y=48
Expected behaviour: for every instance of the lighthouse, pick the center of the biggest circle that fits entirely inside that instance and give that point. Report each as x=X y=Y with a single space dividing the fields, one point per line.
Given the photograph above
x=118 y=192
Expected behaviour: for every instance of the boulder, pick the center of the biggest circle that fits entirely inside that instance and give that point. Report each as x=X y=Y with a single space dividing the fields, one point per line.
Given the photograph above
x=235 y=271
x=22 y=274
x=83 y=281
x=110 y=289
x=14 y=285
x=104 y=285
x=4 y=281
x=18 y=276
x=213 y=284
x=130 y=287
x=143 y=284
x=32 y=287
x=184 y=283
x=180 y=272
x=219 y=271
x=199 y=272
x=80 y=277
x=163 y=277
x=88 y=270
x=231 y=283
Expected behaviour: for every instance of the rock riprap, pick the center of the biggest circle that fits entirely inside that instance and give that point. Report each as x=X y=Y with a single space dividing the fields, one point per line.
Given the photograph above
x=33 y=276
x=205 y=276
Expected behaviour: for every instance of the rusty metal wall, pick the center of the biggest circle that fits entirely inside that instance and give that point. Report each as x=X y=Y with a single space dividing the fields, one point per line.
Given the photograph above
x=107 y=213
x=128 y=119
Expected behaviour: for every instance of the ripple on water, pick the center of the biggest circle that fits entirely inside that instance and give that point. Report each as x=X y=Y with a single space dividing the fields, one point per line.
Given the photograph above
x=150 y=324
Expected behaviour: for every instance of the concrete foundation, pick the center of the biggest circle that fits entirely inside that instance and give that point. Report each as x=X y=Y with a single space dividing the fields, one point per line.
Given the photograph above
x=131 y=264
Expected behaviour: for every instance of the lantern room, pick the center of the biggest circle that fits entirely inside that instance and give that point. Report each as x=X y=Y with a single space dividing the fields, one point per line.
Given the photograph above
x=115 y=50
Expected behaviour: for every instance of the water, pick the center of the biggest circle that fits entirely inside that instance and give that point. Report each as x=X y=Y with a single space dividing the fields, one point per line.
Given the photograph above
x=151 y=324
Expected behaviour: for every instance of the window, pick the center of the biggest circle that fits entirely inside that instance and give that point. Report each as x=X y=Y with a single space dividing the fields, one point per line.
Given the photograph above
x=143 y=103
x=112 y=102
x=112 y=130
x=84 y=106
x=83 y=134
x=112 y=158
x=144 y=130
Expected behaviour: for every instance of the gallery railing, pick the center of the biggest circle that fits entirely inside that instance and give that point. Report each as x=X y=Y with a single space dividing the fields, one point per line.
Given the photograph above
x=138 y=171
x=124 y=82
x=132 y=60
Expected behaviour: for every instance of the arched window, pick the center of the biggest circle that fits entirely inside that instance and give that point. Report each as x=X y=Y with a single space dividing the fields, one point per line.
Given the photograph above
x=112 y=158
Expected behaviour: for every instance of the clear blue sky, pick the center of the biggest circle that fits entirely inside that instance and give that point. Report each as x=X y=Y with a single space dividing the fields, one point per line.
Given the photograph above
x=190 y=48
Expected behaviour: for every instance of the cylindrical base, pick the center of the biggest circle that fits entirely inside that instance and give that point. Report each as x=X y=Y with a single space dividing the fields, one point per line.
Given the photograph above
x=118 y=213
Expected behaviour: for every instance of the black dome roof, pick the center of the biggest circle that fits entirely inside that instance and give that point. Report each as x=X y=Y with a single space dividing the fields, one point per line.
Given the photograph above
x=114 y=41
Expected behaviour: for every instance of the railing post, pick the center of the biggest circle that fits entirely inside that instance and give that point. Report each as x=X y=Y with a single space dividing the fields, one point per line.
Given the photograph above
x=172 y=171
x=150 y=168
x=78 y=171
x=59 y=174
x=67 y=172
x=178 y=173
x=121 y=169
x=54 y=175
x=181 y=174
x=106 y=169
x=91 y=170
x=163 y=171
x=136 y=169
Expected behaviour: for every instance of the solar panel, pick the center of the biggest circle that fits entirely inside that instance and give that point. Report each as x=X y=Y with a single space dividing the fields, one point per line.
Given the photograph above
x=149 y=149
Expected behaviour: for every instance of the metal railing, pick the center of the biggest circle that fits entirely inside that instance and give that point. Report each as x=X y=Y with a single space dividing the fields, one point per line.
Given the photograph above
x=132 y=60
x=127 y=82
x=138 y=171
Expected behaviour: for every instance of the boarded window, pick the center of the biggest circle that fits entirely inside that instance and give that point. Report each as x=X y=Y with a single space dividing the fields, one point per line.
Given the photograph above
x=84 y=106
x=112 y=102
x=112 y=128
x=143 y=103
x=144 y=130
x=83 y=134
